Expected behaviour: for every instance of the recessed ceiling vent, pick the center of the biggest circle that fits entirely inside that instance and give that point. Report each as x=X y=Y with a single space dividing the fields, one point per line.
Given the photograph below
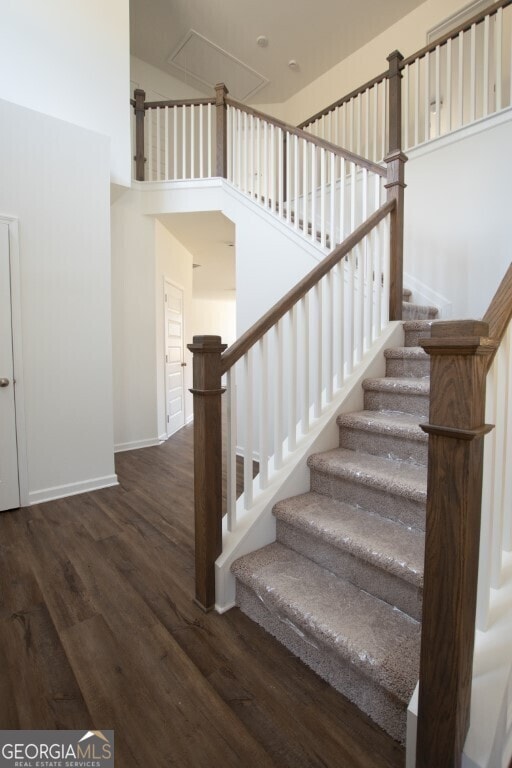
x=206 y=62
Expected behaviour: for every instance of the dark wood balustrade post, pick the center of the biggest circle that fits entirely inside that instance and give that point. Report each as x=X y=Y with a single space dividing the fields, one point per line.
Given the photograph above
x=222 y=130
x=459 y=354
x=395 y=185
x=140 y=113
x=207 y=391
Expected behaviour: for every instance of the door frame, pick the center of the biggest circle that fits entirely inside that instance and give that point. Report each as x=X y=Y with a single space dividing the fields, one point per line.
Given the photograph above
x=180 y=288
x=17 y=353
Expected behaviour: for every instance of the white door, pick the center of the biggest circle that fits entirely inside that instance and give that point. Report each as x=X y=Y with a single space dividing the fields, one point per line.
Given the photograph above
x=9 y=485
x=174 y=363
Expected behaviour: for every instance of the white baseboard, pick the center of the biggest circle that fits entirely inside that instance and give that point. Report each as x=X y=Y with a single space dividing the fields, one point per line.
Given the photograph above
x=136 y=444
x=71 y=489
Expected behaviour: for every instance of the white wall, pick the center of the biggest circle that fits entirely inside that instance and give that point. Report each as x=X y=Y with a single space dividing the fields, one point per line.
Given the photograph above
x=71 y=60
x=133 y=323
x=407 y=35
x=215 y=317
x=55 y=180
x=173 y=262
x=457 y=217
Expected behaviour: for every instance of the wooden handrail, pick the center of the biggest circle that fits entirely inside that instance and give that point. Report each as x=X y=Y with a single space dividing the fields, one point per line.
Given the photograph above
x=345 y=99
x=275 y=313
x=476 y=19
x=178 y=103
x=345 y=153
x=499 y=313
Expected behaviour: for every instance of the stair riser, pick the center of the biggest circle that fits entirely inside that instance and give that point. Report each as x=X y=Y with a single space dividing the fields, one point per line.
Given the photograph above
x=396 y=401
x=365 y=575
x=410 y=368
x=382 y=502
x=384 y=708
x=414 y=338
x=380 y=444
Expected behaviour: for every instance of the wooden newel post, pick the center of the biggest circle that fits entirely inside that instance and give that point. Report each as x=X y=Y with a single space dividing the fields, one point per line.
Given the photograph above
x=207 y=391
x=459 y=353
x=395 y=184
x=140 y=112
x=221 y=130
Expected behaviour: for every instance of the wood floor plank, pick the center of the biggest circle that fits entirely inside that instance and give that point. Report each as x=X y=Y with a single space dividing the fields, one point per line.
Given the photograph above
x=99 y=629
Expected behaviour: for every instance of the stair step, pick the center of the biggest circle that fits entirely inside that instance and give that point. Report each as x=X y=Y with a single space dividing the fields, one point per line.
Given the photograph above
x=380 y=556
x=390 y=487
x=412 y=311
x=416 y=330
x=406 y=395
x=407 y=361
x=395 y=435
x=363 y=647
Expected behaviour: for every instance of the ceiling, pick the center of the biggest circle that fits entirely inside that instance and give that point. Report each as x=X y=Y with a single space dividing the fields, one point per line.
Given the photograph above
x=210 y=237
x=215 y=40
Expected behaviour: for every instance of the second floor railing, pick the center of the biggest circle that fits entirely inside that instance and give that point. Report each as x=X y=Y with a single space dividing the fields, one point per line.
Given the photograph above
x=460 y=78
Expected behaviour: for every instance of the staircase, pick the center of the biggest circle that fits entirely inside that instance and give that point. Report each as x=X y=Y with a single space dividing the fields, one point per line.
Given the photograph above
x=341 y=587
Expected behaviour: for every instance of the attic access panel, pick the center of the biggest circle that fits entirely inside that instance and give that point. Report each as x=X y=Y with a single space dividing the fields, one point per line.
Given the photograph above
x=201 y=59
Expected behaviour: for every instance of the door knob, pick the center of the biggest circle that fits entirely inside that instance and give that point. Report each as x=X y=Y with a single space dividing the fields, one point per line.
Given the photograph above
x=183 y=365
x=4 y=382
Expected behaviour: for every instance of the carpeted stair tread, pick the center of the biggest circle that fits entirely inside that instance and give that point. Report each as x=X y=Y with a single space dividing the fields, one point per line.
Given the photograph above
x=393 y=476
x=393 y=423
x=412 y=311
x=409 y=353
x=386 y=544
x=380 y=641
x=400 y=385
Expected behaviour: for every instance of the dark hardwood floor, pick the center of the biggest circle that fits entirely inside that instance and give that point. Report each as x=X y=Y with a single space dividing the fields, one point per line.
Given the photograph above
x=98 y=630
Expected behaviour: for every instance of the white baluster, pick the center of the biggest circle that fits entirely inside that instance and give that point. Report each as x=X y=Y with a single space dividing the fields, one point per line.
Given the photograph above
x=426 y=135
x=405 y=90
x=184 y=143
x=201 y=141
x=386 y=271
x=231 y=449
x=248 y=430
x=313 y=193
x=280 y=171
x=305 y=373
x=366 y=151
x=245 y=149
x=353 y=189
x=317 y=376
x=258 y=159
x=349 y=314
x=292 y=380
x=322 y=197
x=340 y=323
x=264 y=164
x=305 y=189
x=209 y=141
x=150 y=143
x=438 y=89
x=378 y=279
x=272 y=194
x=288 y=179
x=192 y=141
x=264 y=411
x=359 y=319
x=460 y=81
x=158 y=146
x=343 y=180
x=329 y=335
x=252 y=179
x=448 y=99
x=239 y=148
x=375 y=155
x=296 y=221
x=472 y=85
x=167 y=174
x=498 y=49
x=485 y=89
x=416 y=101
x=332 y=208
x=278 y=396
x=351 y=143
x=175 y=142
